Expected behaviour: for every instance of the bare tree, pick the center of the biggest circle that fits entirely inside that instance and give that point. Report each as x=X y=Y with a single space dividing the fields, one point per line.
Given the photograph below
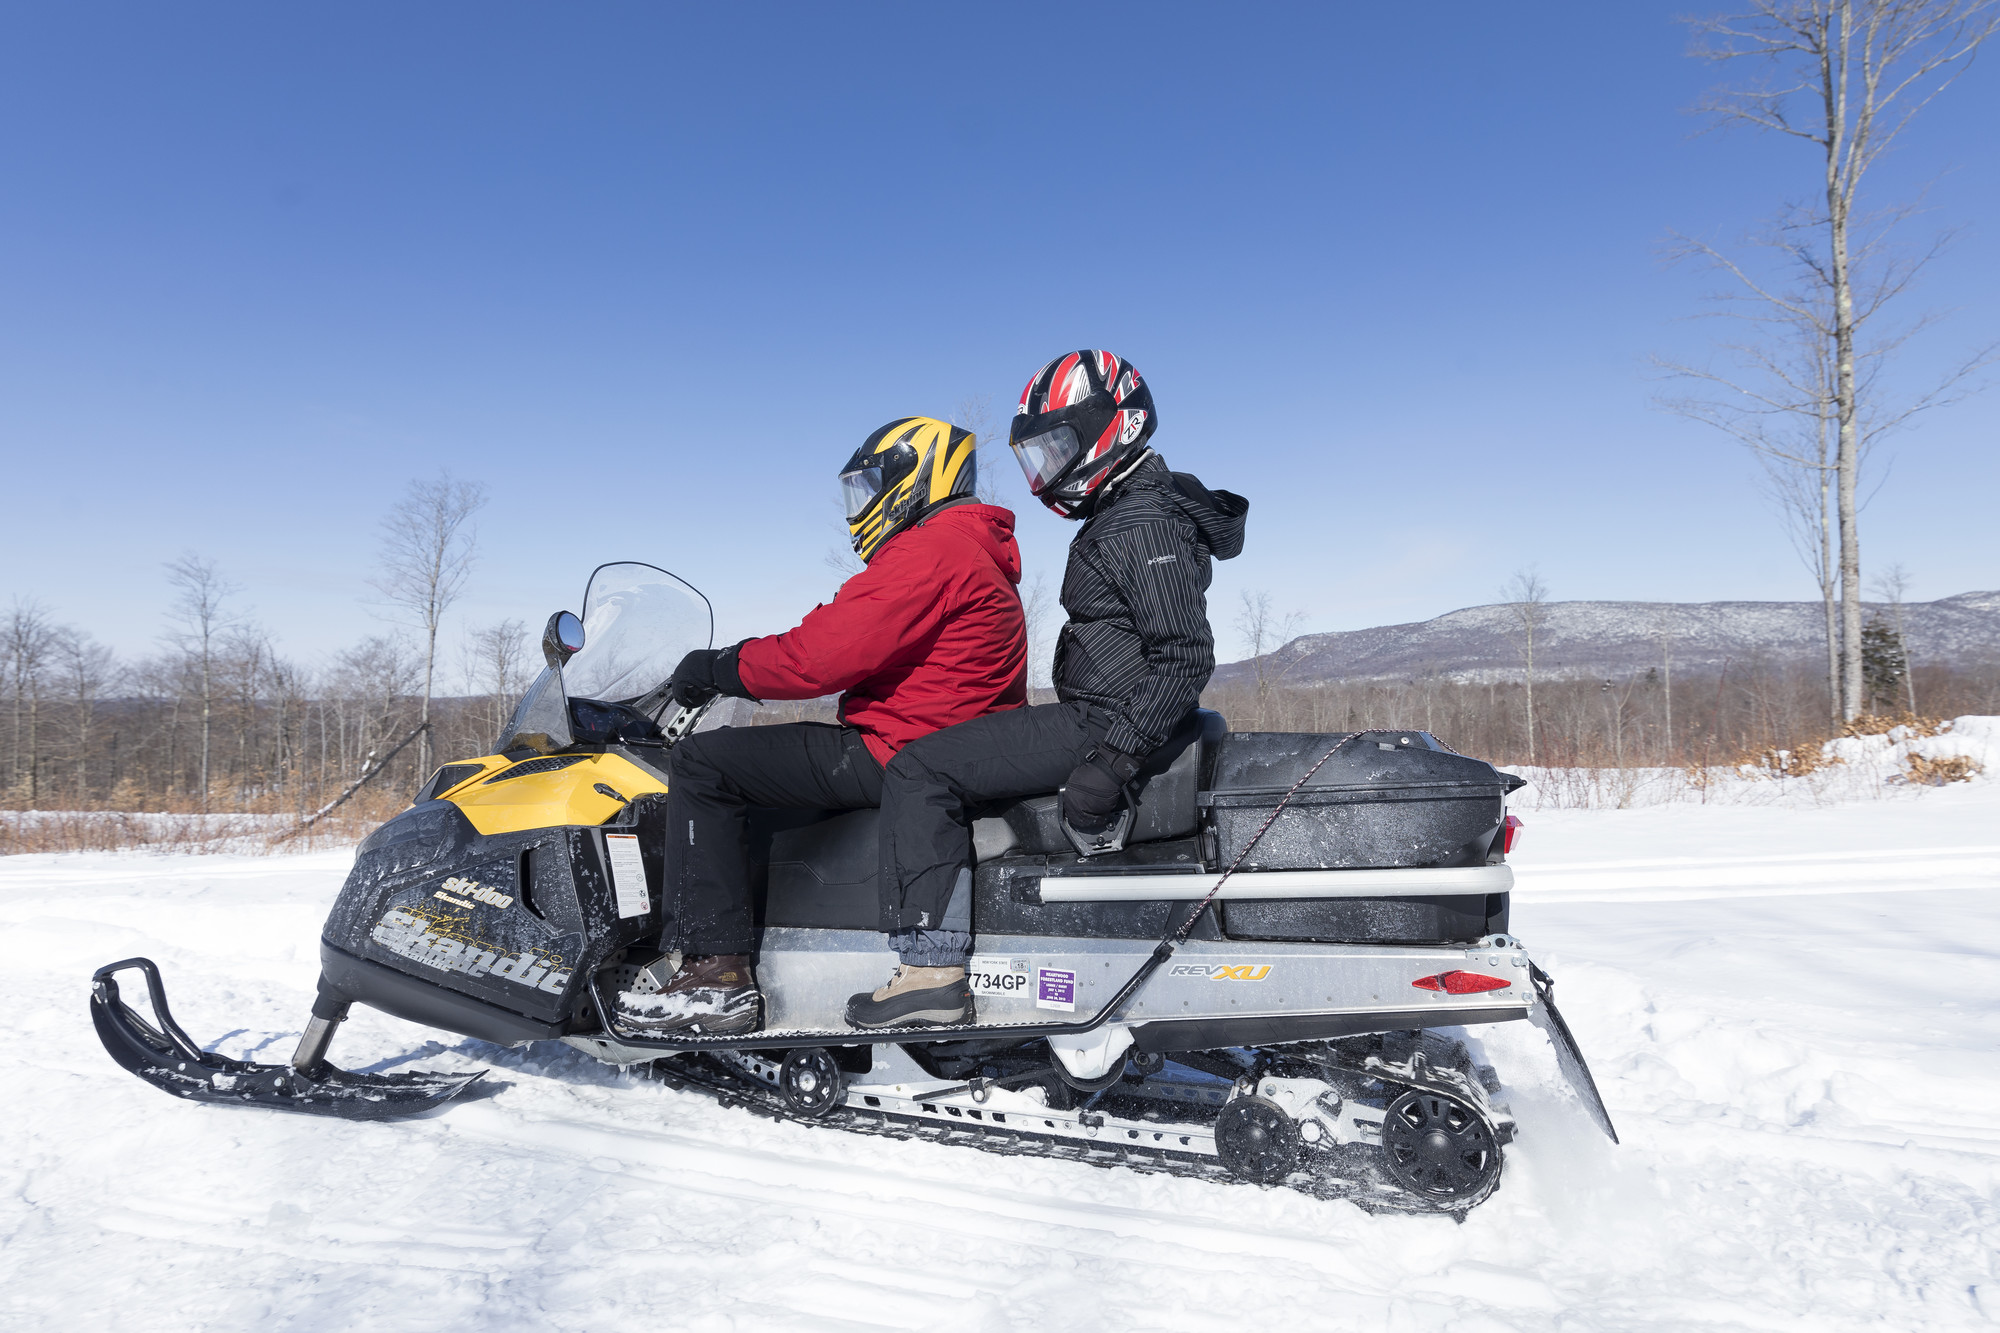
x=1265 y=631
x=197 y=611
x=84 y=670
x=427 y=554
x=994 y=459
x=1846 y=77
x=246 y=665
x=1528 y=598
x=30 y=637
x=1042 y=613
x=496 y=661
x=1663 y=630
x=841 y=558
x=1802 y=489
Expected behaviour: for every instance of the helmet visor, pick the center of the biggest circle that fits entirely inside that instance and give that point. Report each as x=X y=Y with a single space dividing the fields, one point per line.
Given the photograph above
x=858 y=490
x=1043 y=457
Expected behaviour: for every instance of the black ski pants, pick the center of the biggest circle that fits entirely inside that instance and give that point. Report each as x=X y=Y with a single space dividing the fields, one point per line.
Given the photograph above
x=715 y=776
x=934 y=785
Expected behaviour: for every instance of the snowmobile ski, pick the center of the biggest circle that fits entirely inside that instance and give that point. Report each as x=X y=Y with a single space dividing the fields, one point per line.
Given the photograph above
x=166 y=1057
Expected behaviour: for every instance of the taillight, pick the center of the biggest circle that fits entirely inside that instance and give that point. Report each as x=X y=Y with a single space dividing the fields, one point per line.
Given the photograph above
x=1510 y=835
x=1461 y=983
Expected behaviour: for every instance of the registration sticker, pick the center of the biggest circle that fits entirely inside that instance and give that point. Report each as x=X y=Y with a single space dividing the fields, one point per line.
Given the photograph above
x=628 y=875
x=1055 y=989
x=999 y=976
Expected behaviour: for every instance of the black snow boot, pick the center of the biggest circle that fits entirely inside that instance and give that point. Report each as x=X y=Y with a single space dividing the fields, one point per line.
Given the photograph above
x=715 y=995
x=915 y=997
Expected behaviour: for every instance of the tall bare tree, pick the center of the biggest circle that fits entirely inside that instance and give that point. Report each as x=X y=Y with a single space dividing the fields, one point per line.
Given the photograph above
x=1528 y=599
x=428 y=547
x=1845 y=77
x=200 y=592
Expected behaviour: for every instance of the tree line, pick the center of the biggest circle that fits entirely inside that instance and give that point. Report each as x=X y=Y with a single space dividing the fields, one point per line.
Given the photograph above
x=220 y=718
x=228 y=721
x=1761 y=711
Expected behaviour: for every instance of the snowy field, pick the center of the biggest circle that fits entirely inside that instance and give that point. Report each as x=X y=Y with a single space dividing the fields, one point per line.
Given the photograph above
x=1791 y=1010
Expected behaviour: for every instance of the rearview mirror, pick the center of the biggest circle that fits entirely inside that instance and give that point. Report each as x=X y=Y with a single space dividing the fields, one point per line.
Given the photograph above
x=562 y=639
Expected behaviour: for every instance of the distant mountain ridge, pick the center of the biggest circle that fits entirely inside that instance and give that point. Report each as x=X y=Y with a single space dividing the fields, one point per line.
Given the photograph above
x=1478 y=643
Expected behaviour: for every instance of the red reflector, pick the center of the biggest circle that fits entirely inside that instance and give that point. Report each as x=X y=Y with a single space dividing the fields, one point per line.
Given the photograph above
x=1461 y=983
x=1510 y=836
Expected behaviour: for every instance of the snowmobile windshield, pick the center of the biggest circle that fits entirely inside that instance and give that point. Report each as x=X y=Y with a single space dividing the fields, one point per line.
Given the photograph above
x=858 y=490
x=639 y=621
x=1043 y=457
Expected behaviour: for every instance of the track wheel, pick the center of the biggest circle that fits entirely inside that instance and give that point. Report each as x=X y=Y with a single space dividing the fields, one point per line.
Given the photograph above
x=1257 y=1140
x=1439 y=1149
x=810 y=1081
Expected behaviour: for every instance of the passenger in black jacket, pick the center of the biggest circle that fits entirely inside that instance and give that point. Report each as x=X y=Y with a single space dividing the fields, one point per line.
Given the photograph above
x=1130 y=665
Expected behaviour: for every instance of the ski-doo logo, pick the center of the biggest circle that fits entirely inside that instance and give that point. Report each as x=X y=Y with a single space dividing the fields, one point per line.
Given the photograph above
x=1222 y=971
x=472 y=889
x=414 y=937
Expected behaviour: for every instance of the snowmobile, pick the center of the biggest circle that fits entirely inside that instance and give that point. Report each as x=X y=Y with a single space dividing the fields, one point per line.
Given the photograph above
x=1252 y=976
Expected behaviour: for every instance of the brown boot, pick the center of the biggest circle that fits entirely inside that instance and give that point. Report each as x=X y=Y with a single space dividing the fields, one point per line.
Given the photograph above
x=915 y=997
x=712 y=995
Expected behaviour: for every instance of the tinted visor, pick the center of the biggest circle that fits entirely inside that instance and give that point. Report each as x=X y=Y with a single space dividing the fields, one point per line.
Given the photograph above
x=858 y=490
x=1043 y=457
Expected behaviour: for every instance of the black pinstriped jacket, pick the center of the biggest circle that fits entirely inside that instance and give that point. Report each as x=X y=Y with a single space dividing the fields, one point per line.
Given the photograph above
x=1138 y=643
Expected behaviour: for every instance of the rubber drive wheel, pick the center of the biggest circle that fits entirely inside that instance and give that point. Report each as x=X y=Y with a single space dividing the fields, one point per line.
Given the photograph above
x=1439 y=1149
x=810 y=1082
x=1257 y=1140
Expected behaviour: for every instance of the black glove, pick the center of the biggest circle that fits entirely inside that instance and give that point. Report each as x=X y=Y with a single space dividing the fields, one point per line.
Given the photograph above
x=693 y=680
x=1095 y=791
x=705 y=673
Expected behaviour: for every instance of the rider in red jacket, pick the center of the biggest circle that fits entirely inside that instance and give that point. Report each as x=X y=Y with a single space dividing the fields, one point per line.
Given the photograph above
x=929 y=634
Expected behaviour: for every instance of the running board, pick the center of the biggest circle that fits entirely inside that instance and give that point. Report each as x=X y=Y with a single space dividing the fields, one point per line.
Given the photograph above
x=1544 y=1015
x=767 y=1038
x=168 y=1058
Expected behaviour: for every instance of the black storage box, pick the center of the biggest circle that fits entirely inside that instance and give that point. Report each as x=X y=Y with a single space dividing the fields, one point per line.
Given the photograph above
x=1384 y=800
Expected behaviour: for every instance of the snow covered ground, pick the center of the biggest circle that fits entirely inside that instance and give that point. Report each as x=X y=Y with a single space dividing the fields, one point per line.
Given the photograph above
x=1791 y=1011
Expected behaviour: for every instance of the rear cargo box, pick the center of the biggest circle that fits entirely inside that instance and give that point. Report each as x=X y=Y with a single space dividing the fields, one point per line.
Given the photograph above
x=1385 y=799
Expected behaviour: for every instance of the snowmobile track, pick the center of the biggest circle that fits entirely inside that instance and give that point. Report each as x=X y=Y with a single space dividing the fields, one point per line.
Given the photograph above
x=1317 y=1178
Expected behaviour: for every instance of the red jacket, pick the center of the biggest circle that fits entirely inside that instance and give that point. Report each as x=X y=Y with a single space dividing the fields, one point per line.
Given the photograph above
x=928 y=635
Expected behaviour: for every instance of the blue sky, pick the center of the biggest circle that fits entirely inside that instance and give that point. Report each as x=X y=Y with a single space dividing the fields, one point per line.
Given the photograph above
x=651 y=273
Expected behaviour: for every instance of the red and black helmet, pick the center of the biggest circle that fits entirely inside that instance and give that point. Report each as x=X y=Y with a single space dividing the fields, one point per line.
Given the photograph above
x=1082 y=419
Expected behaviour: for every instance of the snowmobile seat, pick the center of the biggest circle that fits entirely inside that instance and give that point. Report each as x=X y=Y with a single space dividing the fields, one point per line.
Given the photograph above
x=1166 y=808
x=821 y=872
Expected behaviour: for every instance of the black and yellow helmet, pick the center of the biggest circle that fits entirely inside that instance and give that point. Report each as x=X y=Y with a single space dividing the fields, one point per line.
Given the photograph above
x=902 y=474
